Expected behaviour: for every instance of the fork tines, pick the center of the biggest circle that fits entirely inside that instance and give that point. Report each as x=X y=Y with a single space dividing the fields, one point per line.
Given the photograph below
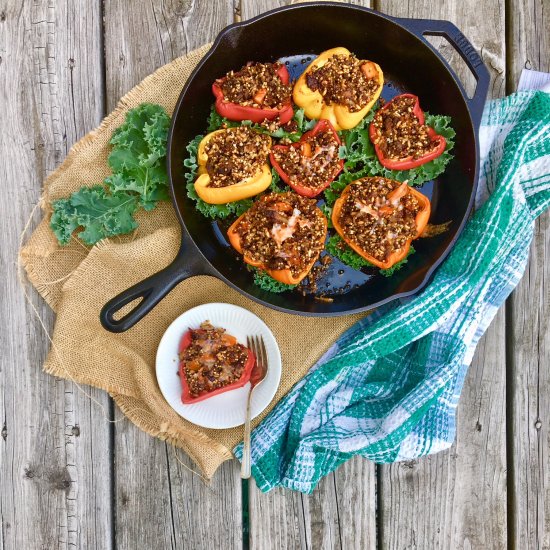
x=257 y=345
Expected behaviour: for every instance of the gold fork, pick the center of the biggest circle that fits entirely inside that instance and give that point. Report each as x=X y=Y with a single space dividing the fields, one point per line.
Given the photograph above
x=256 y=344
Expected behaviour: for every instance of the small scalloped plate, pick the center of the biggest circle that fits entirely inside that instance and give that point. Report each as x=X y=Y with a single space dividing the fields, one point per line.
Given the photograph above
x=227 y=409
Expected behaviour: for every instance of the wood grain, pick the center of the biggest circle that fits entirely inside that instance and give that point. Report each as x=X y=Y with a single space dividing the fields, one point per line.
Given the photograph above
x=340 y=514
x=529 y=328
x=160 y=503
x=141 y=39
x=457 y=499
x=54 y=448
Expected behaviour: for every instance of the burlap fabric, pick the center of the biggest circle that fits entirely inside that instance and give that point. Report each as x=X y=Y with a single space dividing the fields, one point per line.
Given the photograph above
x=76 y=281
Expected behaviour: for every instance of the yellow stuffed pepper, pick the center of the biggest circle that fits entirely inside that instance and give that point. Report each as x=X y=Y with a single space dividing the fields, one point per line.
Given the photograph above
x=338 y=87
x=232 y=165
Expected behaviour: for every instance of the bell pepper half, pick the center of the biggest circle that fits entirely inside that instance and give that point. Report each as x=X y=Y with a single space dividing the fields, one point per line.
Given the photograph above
x=230 y=193
x=187 y=397
x=235 y=111
x=408 y=162
x=304 y=146
x=393 y=198
x=282 y=275
x=314 y=105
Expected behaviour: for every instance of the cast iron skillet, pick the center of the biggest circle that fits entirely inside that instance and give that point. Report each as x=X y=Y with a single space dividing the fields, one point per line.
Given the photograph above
x=297 y=33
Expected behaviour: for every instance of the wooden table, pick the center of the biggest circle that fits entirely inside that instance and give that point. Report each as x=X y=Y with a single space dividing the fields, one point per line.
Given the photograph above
x=69 y=478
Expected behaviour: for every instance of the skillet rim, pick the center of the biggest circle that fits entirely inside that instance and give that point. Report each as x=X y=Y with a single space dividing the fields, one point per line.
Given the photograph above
x=187 y=239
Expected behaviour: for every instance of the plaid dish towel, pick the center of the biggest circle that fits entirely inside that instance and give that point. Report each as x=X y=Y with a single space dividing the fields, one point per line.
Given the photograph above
x=388 y=388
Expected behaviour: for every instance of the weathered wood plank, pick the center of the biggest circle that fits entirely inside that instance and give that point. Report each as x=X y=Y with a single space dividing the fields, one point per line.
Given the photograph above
x=160 y=503
x=457 y=499
x=54 y=452
x=341 y=512
x=529 y=328
x=141 y=39
x=276 y=519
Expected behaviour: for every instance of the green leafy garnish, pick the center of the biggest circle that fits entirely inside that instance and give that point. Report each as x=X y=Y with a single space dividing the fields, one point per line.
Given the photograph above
x=396 y=267
x=338 y=248
x=265 y=282
x=361 y=159
x=139 y=180
x=216 y=121
x=138 y=156
x=99 y=213
x=277 y=184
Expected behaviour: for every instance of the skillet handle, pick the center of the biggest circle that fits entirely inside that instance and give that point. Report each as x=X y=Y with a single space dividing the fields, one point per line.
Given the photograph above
x=188 y=262
x=432 y=27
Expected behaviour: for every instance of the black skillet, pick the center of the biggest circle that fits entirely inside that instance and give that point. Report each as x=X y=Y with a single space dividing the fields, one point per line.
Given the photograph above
x=297 y=33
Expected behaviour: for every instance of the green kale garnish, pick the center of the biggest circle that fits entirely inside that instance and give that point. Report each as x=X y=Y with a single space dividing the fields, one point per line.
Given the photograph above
x=266 y=282
x=338 y=248
x=361 y=160
x=139 y=180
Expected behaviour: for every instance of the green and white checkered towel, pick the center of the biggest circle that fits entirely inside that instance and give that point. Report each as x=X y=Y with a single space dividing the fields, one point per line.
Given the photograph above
x=388 y=389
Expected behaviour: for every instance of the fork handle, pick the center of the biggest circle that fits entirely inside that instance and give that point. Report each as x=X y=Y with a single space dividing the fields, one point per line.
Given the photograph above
x=245 y=463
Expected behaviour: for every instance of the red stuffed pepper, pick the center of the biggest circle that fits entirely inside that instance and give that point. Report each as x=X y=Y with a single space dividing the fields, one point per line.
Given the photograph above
x=257 y=92
x=212 y=362
x=400 y=136
x=311 y=164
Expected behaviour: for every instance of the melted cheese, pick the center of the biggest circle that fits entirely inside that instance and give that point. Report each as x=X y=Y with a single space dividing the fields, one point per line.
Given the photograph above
x=280 y=233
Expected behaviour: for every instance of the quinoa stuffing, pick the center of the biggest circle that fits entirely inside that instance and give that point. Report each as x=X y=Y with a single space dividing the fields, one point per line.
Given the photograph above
x=212 y=360
x=379 y=215
x=283 y=231
x=235 y=154
x=256 y=85
x=344 y=80
x=399 y=133
x=312 y=162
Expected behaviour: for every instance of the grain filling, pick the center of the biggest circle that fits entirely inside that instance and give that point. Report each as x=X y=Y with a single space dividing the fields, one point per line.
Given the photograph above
x=399 y=133
x=343 y=80
x=378 y=223
x=282 y=231
x=256 y=85
x=235 y=154
x=313 y=162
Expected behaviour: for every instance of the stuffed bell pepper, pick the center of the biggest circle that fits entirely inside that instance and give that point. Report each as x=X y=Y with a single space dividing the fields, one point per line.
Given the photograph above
x=232 y=165
x=401 y=139
x=258 y=92
x=311 y=164
x=282 y=234
x=339 y=87
x=212 y=362
x=379 y=218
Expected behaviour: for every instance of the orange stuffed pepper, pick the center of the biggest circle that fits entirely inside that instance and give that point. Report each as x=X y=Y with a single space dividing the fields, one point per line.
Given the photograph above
x=379 y=218
x=281 y=234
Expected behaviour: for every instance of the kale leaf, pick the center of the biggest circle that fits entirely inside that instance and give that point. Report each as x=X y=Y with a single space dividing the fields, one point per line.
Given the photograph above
x=99 y=213
x=340 y=249
x=139 y=180
x=361 y=159
x=266 y=282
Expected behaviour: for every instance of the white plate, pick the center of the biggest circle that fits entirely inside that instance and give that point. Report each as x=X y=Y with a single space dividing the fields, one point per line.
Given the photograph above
x=227 y=409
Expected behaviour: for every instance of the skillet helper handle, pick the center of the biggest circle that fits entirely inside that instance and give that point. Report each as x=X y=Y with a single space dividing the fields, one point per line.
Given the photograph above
x=151 y=291
x=433 y=27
